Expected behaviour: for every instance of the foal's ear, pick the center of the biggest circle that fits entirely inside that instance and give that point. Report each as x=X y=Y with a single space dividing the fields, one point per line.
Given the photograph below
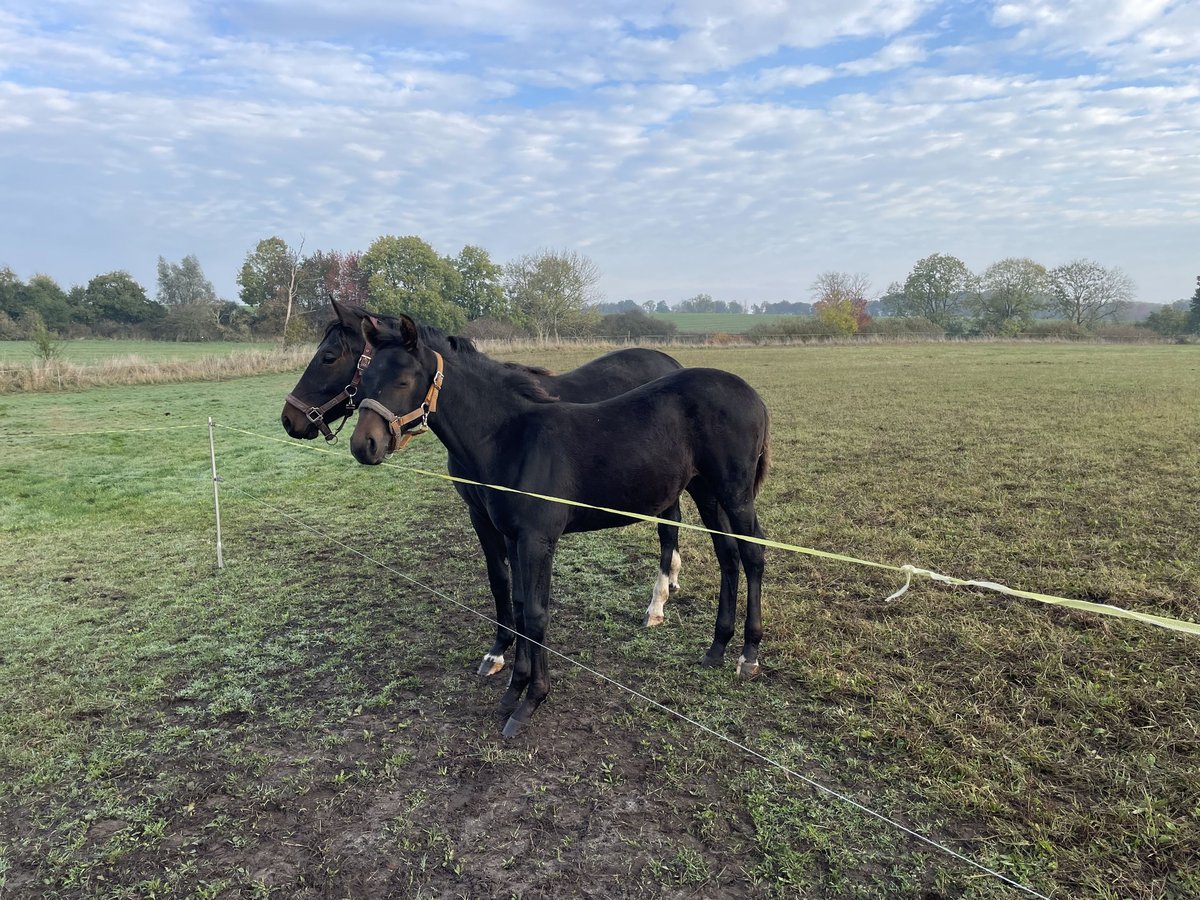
x=408 y=333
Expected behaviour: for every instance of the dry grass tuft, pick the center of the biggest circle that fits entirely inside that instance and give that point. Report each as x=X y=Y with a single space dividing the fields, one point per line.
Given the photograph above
x=129 y=370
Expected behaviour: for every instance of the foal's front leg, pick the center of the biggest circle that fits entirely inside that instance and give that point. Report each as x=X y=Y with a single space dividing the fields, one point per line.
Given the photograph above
x=532 y=565
x=495 y=553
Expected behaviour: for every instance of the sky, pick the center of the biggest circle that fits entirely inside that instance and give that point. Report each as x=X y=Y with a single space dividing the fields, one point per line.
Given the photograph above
x=734 y=149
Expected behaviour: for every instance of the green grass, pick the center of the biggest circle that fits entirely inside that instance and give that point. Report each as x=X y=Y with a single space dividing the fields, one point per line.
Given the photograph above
x=304 y=721
x=91 y=351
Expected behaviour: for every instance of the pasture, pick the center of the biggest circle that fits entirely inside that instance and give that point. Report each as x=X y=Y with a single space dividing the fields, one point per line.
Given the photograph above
x=90 y=352
x=306 y=723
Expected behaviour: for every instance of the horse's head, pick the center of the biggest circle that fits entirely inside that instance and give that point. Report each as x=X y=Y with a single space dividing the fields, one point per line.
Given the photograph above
x=326 y=391
x=399 y=391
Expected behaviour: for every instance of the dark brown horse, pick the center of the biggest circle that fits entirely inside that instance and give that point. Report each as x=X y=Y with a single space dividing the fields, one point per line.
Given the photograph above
x=327 y=392
x=700 y=430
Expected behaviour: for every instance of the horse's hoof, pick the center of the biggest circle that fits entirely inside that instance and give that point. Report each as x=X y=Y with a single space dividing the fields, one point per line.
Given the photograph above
x=491 y=665
x=514 y=726
x=652 y=621
x=507 y=705
x=673 y=586
x=711 y=662
x=747 y=669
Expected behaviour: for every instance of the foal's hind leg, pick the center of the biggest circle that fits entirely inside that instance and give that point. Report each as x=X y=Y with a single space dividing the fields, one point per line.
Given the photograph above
x=752 y=561
x=727 y=555
x=668 y=567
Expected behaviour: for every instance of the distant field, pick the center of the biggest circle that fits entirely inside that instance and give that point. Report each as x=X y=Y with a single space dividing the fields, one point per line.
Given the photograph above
x=90 y=352
x=712 y=323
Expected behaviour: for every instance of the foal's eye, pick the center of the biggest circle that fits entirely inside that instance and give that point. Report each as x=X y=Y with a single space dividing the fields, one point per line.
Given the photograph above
x=329 y=357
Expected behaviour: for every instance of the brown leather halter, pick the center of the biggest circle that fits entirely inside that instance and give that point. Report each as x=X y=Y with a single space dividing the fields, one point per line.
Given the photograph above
x=316 y=414
x=399 y=438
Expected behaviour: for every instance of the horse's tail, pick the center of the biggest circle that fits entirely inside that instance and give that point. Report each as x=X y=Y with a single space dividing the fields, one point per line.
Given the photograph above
x=764 y=457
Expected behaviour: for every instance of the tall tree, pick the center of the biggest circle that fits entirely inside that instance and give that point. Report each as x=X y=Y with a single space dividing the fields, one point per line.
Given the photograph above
x=406 y=275
x=553 y=290
x=10 y=292
x=841 y=300
x=116 y=297
x=1087 y=293
x=270 y=280
x=334 y=272
x=1010 y=292
x=43 y=295
x=1194 y=310
x=183 y=283
x=936 y=288
x=480 y=289
x=265 y=272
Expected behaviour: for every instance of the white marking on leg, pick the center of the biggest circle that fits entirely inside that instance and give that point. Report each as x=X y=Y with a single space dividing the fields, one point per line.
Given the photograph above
x=491 y=664
x=654 y=612
x=676 y=562
x=746 y=670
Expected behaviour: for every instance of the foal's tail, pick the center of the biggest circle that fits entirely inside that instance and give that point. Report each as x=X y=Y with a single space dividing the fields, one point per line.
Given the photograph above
x=764 y=457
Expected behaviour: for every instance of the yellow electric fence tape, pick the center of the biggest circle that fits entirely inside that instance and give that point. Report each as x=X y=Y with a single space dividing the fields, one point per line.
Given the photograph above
x=1099 y=608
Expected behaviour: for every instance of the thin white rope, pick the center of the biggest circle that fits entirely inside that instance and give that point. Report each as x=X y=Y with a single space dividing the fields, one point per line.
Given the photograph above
x=651 y=701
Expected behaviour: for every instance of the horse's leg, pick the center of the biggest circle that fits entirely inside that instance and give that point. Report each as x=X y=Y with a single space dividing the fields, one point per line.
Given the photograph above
x=531 y=574
x=496 y=554
x=743 y=520
x=727 y=556
x=518 y=676
x=668 y=567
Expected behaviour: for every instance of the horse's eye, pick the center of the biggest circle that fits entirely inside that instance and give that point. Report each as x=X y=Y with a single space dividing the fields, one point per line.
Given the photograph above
x=329 y=357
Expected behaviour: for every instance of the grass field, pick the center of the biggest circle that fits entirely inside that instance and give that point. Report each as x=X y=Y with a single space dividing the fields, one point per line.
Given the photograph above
x=305 y=723
x=90 y=352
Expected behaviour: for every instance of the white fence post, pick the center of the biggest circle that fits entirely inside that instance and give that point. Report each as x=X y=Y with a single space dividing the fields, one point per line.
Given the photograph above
x=212 y=454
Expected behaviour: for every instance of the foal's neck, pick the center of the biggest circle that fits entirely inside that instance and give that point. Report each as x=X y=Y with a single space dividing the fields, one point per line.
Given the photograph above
x=479 y=397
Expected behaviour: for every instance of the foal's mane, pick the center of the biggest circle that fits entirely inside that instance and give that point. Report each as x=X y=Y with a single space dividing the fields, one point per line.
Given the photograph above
x=519 y=379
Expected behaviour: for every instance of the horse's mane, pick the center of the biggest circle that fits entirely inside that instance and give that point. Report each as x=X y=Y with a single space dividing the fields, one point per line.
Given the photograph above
x=521 y=380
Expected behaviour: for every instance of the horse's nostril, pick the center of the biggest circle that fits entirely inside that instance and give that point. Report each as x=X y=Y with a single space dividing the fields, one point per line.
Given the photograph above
x=371 y=446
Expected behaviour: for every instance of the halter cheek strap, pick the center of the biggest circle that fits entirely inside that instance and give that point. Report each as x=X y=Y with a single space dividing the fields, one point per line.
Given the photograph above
x=316 y=414
x=399 y=437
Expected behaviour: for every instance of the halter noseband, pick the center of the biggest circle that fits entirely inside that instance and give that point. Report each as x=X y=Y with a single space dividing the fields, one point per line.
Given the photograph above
x=316 y=414
x=399 y=438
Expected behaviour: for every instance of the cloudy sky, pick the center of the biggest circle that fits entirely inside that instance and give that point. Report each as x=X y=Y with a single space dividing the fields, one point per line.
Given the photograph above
x=737 y=149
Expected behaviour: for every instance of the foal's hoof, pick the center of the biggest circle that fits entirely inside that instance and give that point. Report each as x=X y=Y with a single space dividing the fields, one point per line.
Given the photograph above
x=747 y=669
x=708 y=661
x=491 y=665
x=652 y=621
x=514 y=726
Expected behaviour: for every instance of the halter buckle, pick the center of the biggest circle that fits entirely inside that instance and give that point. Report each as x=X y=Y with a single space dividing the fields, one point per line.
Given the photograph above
x=314 y=415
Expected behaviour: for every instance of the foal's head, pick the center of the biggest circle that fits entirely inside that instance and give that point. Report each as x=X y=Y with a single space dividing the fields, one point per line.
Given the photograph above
x=396 y=386
x=330 y=371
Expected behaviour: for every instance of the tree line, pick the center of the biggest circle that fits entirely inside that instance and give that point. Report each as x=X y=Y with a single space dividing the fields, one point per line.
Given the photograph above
x=283 y=292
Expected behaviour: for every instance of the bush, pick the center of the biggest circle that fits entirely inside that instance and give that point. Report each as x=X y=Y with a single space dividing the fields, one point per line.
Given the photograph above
x=791 y=328
x=633 y=324
x=487 y=329
x=902 y=325
x=1125 y=332
x=1056 y=328
x=9 y=330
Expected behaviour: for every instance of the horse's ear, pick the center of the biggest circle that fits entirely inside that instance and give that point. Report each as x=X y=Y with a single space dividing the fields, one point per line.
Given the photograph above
x=347 y=313
x=409 y=334
x=373 y=329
